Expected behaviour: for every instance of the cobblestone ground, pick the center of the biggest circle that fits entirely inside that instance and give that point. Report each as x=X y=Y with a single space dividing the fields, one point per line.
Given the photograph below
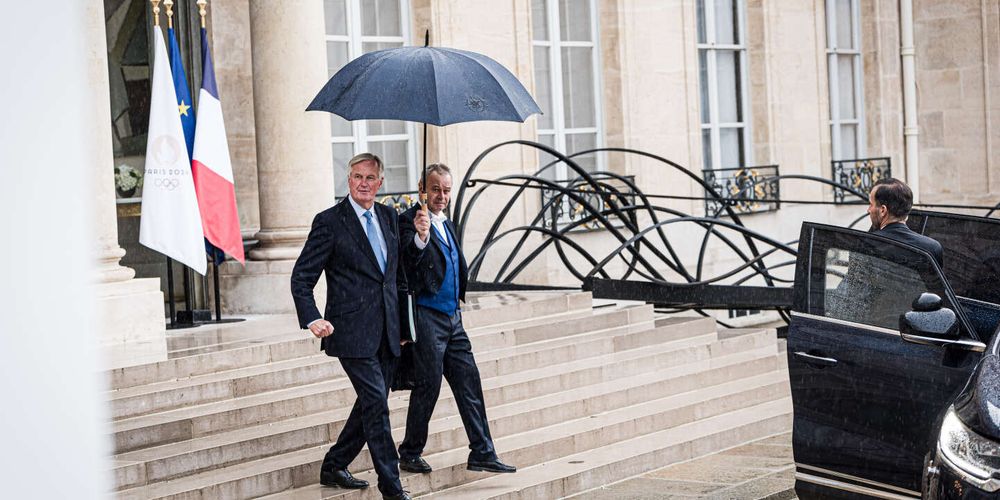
x=762 y=469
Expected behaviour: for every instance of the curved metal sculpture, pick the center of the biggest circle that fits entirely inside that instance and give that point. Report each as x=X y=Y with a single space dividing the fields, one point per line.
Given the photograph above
x=615 y=204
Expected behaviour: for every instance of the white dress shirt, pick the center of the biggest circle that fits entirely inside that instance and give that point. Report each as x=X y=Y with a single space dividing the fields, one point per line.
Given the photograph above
x=358 y=209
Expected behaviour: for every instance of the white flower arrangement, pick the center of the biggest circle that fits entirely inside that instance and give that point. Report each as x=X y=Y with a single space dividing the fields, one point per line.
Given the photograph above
x=127 y=178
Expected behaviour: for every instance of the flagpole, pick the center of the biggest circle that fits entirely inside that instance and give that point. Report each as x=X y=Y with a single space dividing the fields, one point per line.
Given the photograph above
x=156 y=12
x=169 y=4
x=201 y=11
x=170 y=291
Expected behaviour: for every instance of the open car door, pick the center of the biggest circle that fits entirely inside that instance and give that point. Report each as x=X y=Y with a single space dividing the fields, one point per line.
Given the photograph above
x=971 y=262
x=866 y=401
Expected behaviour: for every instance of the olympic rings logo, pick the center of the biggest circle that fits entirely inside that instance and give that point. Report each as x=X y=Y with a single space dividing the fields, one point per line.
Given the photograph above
x=168 y=184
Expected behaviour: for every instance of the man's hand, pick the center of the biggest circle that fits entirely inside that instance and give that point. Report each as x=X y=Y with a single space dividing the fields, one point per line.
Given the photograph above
x=321 y=328
x=423 y=224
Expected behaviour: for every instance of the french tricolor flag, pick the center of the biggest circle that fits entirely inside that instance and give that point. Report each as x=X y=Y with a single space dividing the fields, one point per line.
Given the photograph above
x=212 y=168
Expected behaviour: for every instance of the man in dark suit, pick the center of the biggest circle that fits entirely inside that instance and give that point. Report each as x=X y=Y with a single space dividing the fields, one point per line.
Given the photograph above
x=356 y=243
x=889 y=205
x=438 y=279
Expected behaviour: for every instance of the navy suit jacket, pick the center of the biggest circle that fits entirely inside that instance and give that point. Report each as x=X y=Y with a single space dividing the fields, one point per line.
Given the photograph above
x=361 y=301
x=902 y=233
x=424 y=273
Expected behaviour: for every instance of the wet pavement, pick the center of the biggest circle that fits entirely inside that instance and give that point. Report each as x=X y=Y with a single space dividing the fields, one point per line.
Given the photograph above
x=762 y=469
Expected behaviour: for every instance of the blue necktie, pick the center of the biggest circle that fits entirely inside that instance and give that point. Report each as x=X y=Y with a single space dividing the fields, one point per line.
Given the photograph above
x=373 y=239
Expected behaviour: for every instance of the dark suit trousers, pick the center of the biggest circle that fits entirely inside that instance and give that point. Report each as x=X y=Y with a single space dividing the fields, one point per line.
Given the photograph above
x=369 y=420
x=443 y=348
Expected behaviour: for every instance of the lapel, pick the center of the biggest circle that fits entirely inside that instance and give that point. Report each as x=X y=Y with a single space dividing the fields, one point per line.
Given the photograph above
x=441 y=242
x=350 y=220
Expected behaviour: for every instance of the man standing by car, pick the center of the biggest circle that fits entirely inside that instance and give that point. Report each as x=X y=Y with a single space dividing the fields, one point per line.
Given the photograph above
x=438 y=280
x=356 y=243
x=889 y=205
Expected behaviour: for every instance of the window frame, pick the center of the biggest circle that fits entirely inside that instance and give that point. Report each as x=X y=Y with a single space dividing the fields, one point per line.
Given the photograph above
x=555 y=44
x=714 y=125
x=360 y=138
x=833 y=52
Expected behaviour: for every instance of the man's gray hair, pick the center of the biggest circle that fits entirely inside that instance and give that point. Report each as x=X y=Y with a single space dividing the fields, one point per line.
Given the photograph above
x=436 y=168
x=362 y=157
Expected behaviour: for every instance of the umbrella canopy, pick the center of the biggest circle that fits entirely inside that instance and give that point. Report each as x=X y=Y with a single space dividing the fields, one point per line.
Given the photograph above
x=434 y=85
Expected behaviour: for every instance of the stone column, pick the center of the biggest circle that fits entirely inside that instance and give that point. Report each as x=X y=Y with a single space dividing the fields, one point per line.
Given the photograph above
x=294 y=158
x=128 y=309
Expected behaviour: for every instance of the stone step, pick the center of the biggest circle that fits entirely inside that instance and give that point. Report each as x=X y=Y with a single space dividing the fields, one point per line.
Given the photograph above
x=262 y=340
x=572 y=474
x=574 y=437
x=201 y=420
x=165 y=462
x=301 y=467
x=200 y=389
x=545 y=443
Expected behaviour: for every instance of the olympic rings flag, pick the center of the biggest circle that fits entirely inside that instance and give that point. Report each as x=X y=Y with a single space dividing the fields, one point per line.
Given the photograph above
x=171 y=220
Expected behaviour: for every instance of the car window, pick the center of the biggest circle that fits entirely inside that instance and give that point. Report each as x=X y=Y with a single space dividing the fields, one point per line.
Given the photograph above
x=864 y=278
x=971 y=251
x=868 y=289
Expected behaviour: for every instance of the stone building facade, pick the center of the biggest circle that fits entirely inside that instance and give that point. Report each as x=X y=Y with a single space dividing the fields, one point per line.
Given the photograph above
x=705 y=83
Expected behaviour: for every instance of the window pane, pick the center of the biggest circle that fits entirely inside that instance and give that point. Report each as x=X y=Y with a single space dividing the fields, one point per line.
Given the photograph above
x=367 y=47
x=380 y=18
x=340 y=127
x=725 y=22
x=539 y=20
x=845 y=86
x=574 y=20
x=701 y=22
x=727 y=65
x=866 y=289
x=335 y=12
x=386 y=127
x=578 y=87
x=342 y=153
x=845 y=39
x=731 y=142
x=393 y=154
x=545 y=158
x=706 y=148
x=543 y=86
x=581 y=142
x=336 y=57
x=703 y=84
x=848 y=142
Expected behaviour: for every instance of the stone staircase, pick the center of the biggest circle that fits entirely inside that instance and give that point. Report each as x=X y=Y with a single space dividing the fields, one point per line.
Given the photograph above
x=577 y=396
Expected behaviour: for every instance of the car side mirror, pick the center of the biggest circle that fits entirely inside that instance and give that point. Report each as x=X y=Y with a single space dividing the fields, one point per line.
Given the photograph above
x=929 y=322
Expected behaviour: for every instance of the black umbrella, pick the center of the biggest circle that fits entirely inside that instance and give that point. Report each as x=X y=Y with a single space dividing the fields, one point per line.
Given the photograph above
x=430 y=85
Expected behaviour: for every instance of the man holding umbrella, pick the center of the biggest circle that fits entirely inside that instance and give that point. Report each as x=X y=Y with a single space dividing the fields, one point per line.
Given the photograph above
x=438 y=279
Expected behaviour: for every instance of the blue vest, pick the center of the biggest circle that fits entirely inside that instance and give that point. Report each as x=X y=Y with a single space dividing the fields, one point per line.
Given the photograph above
x=446 y=299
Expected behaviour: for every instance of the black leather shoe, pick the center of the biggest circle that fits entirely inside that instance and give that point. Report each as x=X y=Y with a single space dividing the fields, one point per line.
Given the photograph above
x=494 y=465
x=418 y=465
x=401 y=496
x=341 y=478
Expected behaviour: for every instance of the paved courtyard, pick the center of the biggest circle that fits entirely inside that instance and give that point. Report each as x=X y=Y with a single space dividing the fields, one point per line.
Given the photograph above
x=762 y=469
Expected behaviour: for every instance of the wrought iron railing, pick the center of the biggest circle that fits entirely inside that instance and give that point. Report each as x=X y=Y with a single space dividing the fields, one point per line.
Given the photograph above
x=860 y=174
x=746 y=189
x=561 y=210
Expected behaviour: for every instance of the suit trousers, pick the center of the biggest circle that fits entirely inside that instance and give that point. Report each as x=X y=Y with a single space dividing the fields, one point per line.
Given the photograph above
x=443 y=348
x=369 y=420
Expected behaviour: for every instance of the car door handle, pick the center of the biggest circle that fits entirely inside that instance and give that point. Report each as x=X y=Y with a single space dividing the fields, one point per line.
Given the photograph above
x=816 y=360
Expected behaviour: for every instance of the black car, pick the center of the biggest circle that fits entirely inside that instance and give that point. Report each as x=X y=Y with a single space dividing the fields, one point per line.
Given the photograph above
x=893 y=362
